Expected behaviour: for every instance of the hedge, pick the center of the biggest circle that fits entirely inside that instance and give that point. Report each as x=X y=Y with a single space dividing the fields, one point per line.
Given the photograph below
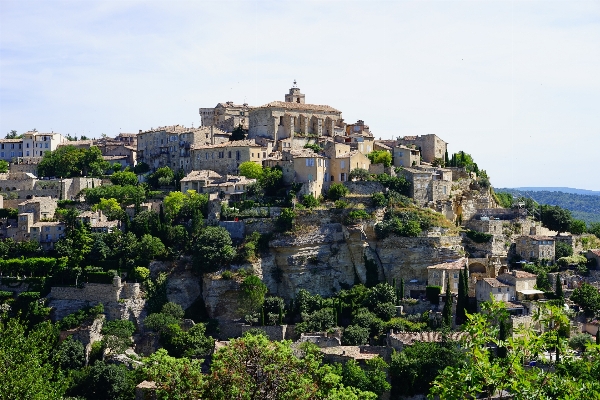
x=39 y=266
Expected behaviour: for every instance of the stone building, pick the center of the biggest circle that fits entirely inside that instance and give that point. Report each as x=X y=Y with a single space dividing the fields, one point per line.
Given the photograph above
x=293 y=117
x=523 y=283
x=226 y=116
x=35 y=144
x=170 y=146
x=343 y=160
x=533 y=247
x=19 y=185
x=431 y=146
x=10 y=149
x=225 y=158
x=358 y=136
x=206 y=181
x=404 y=156
x=437 y=274
x=428 y=184
x=492 y=287
x=311 y=169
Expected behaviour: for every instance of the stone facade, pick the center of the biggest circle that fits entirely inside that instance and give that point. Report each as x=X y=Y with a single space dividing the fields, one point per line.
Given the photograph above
x=226 y=116
x=428 y=184
x=170 y=146
x=438 y=274
x=11 y=149
x=226 y=157
x=533 y=247
x=404 y=156
x=431 y=146
x=293 y=117
x=521 y=280
x=207 y=181
x=500 y=291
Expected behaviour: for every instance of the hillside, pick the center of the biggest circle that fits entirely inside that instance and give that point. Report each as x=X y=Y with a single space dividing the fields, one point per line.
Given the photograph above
x=559 y=189
x=584 y=207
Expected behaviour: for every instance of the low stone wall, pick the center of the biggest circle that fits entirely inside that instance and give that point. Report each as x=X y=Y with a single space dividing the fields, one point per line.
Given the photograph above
x=364 y=188
x=236 y=229
x=230 y=330
x=260 y=225
x=274 y=332
x=98 y=292
x=321 y=341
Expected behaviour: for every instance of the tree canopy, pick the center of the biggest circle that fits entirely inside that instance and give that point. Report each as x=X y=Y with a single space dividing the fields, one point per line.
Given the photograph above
x=70 y=161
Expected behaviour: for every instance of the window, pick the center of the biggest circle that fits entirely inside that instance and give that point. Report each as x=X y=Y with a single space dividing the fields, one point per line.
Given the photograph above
x=27 y=153
x=310 y=177
x=47 y=229
x=46 y=145
x=455 y=275
x=229 y=154
x=342 y=164
x=237 y=155
x=310 y=162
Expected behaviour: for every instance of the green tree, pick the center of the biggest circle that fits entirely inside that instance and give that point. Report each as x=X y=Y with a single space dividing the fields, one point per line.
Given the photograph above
x=70 y=354
x=310 y=201
x=556 y=218
x=110 y=208
x=380 y=157
x=359 y=174
x=337 y=191
x=213 y=249
x=355 y=335
x=163 y=176
x=285 y=220
x=124 y=178
x=461 y=301
x=371 y=378
x=271 y=180
x=13 y=135
x=562 y=249
x=559 y=290
x=25 y=366
x=175 y=378
x=577 y=227
x=587 y=297
x=252 y=294
x=250 y=169
x=3 y=166
x=105 y=381
x=147 y=249
x=447 y=310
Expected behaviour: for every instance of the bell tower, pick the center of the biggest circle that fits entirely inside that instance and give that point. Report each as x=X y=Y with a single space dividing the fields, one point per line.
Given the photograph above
x=294 y=96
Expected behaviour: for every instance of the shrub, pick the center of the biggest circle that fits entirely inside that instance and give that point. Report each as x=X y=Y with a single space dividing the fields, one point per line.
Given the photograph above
x=285 y=221
x=340 y=204
x=378 y=199
x=433 y=293
x=310 y=201
x=359 y=174
x=336 y=191
x=356 y=216
x=380 y=157
x=479 y=237
x=385 y=311
x=227 y=275
x=355 y=335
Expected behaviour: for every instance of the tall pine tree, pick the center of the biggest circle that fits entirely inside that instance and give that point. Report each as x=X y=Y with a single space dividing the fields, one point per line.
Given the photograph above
x=559 y=291
x=460 y=300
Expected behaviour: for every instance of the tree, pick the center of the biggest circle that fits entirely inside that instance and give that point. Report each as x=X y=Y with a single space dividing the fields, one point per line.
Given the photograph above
x=147 y=249
x=556 y=218
x=141 y=168
x=13 y=135
x=310 y=201
x=252 y=295
x=588 y=297
x=380 y=157
x=559 y=290
x=461 y=301
x=447 y=311
x=371 y=378
x=105 y=381
x=359 y=174
x=413 y=369
x=250 y=169
x=25 y=366
x=337 y=191
x=562 y=249
x=175 y=378
x=110 y=208
x=239 y=133
x=124 y=178
x=271 y=180
x=577 y=227
x=69 y=161
x=3 y=166
x=355 y=335
x=213 y=249
x=163 y=176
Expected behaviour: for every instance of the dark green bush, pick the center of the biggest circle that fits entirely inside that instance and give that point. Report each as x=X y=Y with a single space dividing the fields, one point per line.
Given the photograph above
x=433 y=293
x=479 y=237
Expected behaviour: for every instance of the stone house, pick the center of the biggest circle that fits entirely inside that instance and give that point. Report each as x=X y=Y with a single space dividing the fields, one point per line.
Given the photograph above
x=293 y=117
x=10 y=149
x=343 y=160
x=206 y=181
x=428 y=184
x=534 y=247
x=226 y=116
x=35 y=144
x=311 y=169
x=437 y=274
x=431 y=146
x=500 y=291
x=404 y=156
x=358 y=136
x=41 y=208
x=170 y=146
x=226 y=157
x=523 y=283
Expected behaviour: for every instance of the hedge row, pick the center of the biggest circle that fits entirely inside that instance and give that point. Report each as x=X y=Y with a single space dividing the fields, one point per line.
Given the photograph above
x=39 y=266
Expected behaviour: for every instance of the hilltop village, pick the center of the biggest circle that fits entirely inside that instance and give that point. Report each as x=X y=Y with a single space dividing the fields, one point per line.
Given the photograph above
x=287 y=220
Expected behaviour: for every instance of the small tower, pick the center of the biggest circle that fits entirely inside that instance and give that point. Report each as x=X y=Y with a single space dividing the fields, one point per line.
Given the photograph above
x=294 y=96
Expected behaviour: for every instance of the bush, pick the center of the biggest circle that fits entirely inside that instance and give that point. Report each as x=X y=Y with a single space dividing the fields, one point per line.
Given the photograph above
x=380 y=157
x=285 y=221
x=479 y=237
x=378 y=199
x=385 y=311
x=356 y=216
x=562 y=249
x=355 y=335
x=340 y=204
x=359 y=174
x=310 y=201
x=337 y=191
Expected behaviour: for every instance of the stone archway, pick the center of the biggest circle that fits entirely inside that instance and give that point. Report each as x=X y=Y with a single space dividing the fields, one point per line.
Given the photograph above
x=477 y=268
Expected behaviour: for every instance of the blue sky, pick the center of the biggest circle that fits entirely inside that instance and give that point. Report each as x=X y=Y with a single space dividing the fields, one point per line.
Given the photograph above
x=514 y=83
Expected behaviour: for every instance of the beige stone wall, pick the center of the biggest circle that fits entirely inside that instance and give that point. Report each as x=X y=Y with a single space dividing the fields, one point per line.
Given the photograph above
x=226 y=159
x=406 y=157
x=530 y=248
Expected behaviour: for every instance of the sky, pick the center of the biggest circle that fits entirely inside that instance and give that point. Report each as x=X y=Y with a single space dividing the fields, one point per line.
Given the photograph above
x=516 y=84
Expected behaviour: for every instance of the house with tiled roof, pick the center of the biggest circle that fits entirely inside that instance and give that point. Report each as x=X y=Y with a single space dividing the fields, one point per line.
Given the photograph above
x=431 y=146
x=535 y=247
x=226 y=157
x=439 y=273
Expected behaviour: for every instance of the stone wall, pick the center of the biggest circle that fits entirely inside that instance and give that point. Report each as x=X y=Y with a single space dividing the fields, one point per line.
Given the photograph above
x=364 y=188
x=274 y=332
x=236 y=229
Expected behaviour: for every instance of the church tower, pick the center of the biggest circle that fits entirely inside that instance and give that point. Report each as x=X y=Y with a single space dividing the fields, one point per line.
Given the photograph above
x=294 y=96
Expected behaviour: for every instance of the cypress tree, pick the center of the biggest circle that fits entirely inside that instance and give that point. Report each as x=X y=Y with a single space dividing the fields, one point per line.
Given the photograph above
x=401 y=288
x=262 y=316
x=559 y=290
x=447 y=311
x=466 y=288
x=598 y=336
x=460 y=301
x=502 y=335
x=446 y=160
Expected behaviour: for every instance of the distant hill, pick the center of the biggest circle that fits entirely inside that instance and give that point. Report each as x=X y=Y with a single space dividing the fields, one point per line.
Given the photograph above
x=558 y=189
x=583 y=206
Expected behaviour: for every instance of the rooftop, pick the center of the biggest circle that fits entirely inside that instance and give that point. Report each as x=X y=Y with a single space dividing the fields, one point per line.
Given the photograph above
x=300 y=106
x=235 y=143
x=495 y=283
x=201 y=174
x=410 y=338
